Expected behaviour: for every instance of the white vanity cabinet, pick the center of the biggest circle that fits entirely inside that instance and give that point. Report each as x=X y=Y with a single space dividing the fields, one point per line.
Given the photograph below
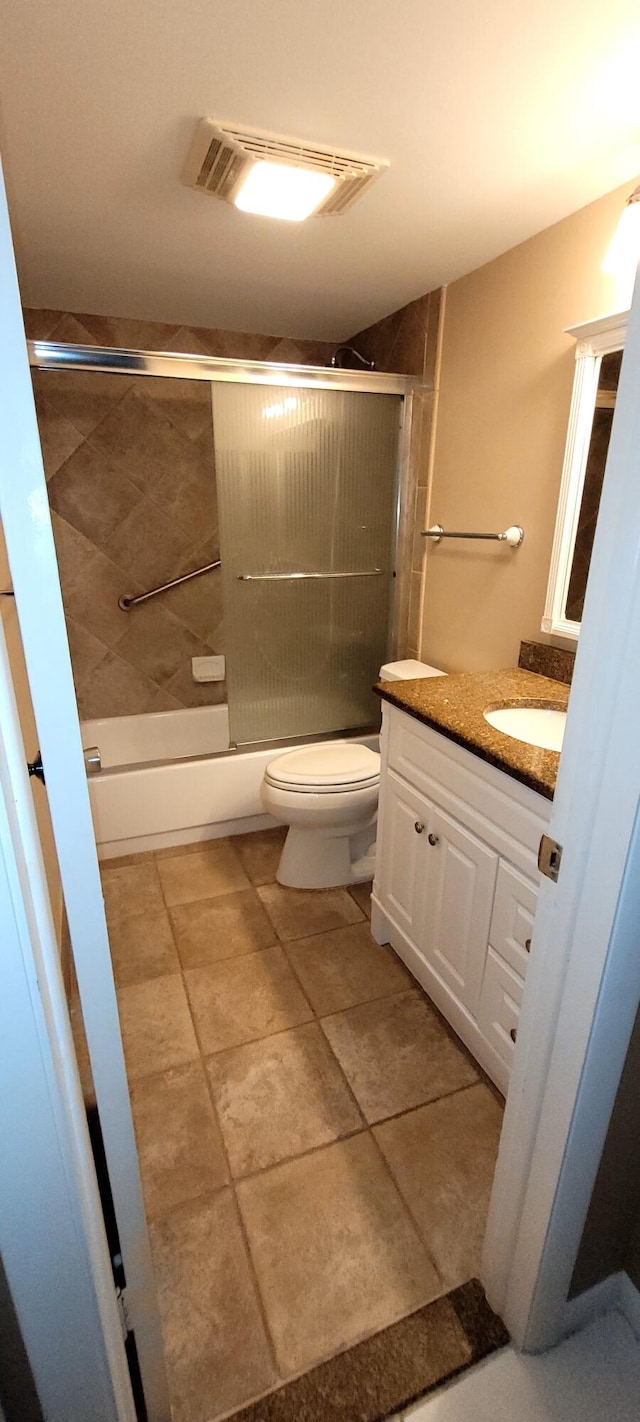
x=456 y=881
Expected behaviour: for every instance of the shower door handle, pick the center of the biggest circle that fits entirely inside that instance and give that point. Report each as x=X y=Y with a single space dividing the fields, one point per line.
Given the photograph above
x=298 y=577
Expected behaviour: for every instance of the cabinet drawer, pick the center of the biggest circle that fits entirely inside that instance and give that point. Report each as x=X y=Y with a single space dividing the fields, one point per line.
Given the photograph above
x=499 y=1007
x=514 y=909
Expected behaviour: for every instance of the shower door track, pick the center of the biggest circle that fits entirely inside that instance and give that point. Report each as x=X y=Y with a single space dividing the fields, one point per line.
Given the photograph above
x=56 y=355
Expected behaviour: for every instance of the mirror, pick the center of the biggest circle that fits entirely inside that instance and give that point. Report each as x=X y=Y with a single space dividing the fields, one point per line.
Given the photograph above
x=598 y=360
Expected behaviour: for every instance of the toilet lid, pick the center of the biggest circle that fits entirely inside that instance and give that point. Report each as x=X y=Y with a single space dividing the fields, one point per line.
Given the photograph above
x=327 y=766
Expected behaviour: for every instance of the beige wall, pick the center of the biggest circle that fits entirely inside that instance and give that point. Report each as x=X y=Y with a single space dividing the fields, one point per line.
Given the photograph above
x=504 y=393
x=30 y=736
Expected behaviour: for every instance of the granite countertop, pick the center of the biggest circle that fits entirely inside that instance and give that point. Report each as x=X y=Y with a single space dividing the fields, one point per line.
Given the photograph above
x=455 y=704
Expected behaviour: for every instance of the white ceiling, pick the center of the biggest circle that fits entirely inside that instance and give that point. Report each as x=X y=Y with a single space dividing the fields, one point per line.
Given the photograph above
x=498 y=118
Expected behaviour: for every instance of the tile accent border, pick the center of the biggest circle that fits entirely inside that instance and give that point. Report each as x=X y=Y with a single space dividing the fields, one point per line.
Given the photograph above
x=379 y=1377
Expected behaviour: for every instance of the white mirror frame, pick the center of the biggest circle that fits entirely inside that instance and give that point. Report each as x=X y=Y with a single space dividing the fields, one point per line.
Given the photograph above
x=595 y=339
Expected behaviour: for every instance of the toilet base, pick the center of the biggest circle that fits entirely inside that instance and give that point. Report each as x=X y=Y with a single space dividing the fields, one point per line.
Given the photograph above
x=313 y=860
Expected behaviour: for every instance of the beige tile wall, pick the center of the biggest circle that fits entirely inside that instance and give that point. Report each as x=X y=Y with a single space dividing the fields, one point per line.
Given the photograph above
x=131 y=480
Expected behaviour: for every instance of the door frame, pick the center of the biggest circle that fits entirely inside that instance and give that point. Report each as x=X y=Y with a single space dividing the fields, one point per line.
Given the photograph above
x=583 y=980
x=26 y=521
x=51 y=1226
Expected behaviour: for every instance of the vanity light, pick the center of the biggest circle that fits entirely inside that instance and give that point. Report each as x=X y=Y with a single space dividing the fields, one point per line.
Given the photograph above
x=623 y=255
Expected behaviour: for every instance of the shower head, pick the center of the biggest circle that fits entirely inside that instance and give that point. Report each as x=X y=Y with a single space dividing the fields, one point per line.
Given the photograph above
x=339 y=362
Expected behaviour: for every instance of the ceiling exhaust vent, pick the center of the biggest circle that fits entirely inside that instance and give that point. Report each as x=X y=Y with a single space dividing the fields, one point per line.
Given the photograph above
x=222 y=155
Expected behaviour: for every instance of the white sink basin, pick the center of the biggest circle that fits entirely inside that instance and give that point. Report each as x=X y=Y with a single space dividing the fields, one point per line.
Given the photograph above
x=537 y=725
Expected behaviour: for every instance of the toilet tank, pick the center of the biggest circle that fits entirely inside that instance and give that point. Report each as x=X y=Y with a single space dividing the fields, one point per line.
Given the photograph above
x=408 y=670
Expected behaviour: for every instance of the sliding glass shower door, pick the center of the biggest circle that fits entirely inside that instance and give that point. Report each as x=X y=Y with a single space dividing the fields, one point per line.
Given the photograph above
x=307 y=492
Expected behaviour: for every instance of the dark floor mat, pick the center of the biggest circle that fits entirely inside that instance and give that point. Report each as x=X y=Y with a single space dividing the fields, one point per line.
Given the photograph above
x=386 y=1373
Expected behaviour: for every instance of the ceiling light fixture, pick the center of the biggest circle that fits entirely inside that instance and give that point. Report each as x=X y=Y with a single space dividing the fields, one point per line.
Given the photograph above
x=623 y=253
x=274 y=190
x=273 y=176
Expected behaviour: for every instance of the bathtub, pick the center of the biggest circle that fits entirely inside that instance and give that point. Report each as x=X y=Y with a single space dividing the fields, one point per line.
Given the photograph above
x=169 y=777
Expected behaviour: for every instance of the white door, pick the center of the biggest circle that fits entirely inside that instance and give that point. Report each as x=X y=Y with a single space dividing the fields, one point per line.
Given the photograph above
x=24 y=512
x=460 y=884
x=583 y=978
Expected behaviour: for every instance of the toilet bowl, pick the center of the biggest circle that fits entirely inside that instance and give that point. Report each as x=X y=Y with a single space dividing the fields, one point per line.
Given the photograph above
x=327 y=794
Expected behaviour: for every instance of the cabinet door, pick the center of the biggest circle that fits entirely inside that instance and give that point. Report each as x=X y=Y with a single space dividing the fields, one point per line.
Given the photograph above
x=460 y=884
x=514 y=910
x=402 y=861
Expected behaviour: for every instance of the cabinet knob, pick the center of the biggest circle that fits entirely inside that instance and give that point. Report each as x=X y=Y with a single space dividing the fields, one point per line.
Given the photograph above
x=433 y=839
x=527 y=945
x=513 y=1033
x=418 y=827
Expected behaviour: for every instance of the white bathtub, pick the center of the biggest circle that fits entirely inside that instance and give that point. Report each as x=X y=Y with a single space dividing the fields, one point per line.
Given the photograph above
x=160 y=735
x=145 y=798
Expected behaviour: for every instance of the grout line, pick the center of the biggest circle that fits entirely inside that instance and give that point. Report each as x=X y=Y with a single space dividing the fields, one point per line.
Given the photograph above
x=319 y=932
x=406 y=1209
x=239 y=1216
x=232 y=1187
x=360 y=1130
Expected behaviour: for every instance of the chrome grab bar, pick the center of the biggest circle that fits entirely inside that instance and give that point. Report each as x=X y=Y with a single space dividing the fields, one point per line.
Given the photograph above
x=298 y=577
x=126 y=602
x=513 y=535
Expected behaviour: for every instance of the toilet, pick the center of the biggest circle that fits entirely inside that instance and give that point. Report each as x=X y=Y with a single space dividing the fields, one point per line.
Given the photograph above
x=327 y=793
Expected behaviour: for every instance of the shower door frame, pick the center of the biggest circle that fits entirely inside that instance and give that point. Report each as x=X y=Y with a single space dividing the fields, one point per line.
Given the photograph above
x=111 y=360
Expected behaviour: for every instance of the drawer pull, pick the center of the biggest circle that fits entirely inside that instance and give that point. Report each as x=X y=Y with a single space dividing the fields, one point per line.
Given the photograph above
x=513 y=1033
x=418 y=827
x=527 y=945
x=433 y=839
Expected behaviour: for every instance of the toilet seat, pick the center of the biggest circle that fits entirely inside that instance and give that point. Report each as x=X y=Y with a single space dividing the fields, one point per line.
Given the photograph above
x=325 y=768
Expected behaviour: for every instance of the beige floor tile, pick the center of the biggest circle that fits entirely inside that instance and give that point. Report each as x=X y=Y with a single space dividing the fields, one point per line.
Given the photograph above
x=130 y=890
x=215 y=870
x=396 y=1054
x=362 y=895
x=192 y=846
x=280 y=1097
x=216 y=1348
x=242 y=999
x=142 y=947
x=335 y=1251
x=260 y=853
x=224 y=927
x=157 y=1031
x=120 y=860
x=295 y=913
x=443 y=1157
x=179 y=1143
x=342 y=968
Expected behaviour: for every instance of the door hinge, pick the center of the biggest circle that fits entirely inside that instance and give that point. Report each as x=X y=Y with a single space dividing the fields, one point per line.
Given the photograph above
x=121 y=1299
x=35 y=767
x=549 y=857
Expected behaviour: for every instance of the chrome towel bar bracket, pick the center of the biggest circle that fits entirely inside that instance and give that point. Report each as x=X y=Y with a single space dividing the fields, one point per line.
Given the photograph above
x=513 y=535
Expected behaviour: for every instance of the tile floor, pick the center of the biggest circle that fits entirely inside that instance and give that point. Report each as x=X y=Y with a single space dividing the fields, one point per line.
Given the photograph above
x=316 y=1148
